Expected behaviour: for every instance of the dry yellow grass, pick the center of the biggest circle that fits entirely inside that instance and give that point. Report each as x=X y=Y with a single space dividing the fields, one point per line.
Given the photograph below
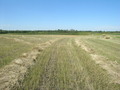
x=66 y=63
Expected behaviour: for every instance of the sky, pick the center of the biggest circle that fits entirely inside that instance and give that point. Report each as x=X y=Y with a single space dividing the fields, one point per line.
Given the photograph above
x=60 y=14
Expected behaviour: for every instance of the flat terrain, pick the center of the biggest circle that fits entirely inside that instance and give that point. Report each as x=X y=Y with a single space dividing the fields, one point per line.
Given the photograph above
x=60 y=62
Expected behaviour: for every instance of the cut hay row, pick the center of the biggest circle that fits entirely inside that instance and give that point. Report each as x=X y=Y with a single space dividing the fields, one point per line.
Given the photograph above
x=12 y=46
x=29 y=39
x=18 y=40
x=64 y=63
x=13 y=73
x=65 y=66
x=10 y=49
x=113 y=68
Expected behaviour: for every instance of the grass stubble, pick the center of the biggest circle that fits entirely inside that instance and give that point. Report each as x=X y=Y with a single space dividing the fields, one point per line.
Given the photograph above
x=66 y=66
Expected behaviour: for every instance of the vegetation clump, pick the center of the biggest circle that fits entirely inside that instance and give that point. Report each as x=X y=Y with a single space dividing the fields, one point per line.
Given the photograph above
x=107 y=37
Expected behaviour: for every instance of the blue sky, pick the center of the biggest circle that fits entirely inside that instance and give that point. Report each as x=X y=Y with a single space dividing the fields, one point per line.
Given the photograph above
x=60 y=14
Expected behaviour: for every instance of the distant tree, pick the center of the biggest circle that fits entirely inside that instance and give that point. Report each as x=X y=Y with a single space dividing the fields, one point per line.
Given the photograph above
x=72 y=29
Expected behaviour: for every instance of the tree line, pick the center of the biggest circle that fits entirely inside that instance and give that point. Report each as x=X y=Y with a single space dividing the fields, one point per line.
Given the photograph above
x=56 y=32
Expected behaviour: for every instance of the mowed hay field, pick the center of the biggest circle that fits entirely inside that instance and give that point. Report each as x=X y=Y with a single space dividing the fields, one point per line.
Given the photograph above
x=59 y=62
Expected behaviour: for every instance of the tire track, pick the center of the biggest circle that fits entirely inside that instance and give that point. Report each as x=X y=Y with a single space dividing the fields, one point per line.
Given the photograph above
x=79 y=73
x=64 y=72
x=49 y=75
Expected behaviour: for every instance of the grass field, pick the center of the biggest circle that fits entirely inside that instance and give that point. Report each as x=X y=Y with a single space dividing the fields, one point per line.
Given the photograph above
x=65 y=62
x=10 y=49
x=12 y=46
